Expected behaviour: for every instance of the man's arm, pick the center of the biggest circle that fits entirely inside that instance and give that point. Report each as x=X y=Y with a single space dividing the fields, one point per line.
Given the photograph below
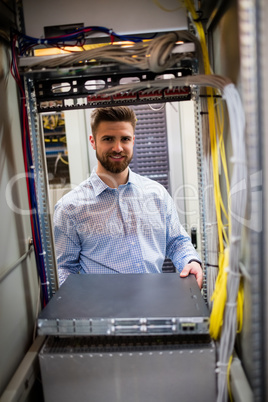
x=179 y=246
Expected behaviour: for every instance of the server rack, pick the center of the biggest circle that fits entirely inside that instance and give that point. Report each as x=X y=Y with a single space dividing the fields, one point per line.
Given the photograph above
x=127 y=337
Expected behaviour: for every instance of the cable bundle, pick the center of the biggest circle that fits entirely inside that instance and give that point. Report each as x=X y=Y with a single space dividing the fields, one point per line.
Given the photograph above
x=155 y=55
x=238 y=202
x=215 y=81
x=227 y=313
x=75 y=38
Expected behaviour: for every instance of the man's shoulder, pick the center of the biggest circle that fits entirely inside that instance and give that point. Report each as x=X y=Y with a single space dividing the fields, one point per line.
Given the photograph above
x=147 y=184
x=73 y=197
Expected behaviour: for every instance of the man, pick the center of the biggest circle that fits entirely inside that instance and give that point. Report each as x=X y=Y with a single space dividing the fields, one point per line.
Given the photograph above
x=117 y=221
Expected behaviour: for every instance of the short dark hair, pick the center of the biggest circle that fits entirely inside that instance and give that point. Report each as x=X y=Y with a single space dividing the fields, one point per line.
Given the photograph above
x=117 y=113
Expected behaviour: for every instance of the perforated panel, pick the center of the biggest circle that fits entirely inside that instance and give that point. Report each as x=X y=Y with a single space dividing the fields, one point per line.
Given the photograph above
x=150 y=157
x=151 y=149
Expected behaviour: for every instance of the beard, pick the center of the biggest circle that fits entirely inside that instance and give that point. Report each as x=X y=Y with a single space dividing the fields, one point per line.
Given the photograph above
x=114 y=166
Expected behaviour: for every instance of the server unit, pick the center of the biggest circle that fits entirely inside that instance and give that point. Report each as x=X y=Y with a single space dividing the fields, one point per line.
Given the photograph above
x=127 y=337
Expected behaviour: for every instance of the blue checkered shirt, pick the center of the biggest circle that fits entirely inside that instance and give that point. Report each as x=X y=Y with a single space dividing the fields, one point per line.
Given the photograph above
x=131 y=229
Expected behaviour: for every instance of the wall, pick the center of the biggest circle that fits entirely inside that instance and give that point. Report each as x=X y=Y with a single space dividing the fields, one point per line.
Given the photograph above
x=18 y=289
x=146 y=16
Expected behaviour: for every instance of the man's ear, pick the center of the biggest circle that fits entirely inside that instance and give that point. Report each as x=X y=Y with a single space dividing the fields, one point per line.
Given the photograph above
x=92 y=141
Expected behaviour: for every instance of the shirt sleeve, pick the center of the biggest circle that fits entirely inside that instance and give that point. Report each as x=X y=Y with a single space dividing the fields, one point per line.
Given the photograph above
x=179 y=247
x=67 y=244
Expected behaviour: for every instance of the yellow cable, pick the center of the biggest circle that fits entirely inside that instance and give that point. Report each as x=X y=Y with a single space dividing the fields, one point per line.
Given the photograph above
x=63 y=139
x=216 y=132
x=215 y=164
x=240 y=305
x=219 y=296
x=211 y=114
x=190 y=6
x=63 y=161
x=211 y=118
x=220 y=129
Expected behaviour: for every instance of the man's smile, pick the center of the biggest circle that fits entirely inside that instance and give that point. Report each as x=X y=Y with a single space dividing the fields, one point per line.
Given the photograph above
x=117 y=157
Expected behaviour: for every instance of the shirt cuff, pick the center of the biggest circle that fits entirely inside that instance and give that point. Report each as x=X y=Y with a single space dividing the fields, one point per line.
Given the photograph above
x=193 y=259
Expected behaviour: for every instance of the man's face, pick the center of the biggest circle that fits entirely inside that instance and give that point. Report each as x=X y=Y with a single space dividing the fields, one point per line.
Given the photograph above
x=114 y=145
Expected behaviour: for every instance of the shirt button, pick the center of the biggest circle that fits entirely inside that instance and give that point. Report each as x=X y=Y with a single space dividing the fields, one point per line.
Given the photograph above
x=132 y=243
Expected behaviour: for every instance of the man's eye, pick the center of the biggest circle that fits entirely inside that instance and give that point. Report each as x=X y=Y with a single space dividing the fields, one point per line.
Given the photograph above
x=107 y=139
x=126 y=139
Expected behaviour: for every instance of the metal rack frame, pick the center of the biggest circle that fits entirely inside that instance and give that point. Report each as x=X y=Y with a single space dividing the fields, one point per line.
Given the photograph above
x=39 y=170
x=39 y=84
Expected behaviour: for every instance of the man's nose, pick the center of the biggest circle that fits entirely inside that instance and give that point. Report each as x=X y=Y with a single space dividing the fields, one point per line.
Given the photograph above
x=117 y=147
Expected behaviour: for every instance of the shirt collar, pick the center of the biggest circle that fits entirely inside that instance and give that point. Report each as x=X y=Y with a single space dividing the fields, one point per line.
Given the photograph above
x=132 y=177
x=99 y=186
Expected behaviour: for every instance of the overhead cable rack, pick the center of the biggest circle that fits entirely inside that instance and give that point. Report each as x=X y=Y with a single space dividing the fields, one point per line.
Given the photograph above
x=76 y=85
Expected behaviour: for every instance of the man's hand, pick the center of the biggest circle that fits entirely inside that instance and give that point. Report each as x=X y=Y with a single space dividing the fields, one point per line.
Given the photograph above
x=193 y=268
